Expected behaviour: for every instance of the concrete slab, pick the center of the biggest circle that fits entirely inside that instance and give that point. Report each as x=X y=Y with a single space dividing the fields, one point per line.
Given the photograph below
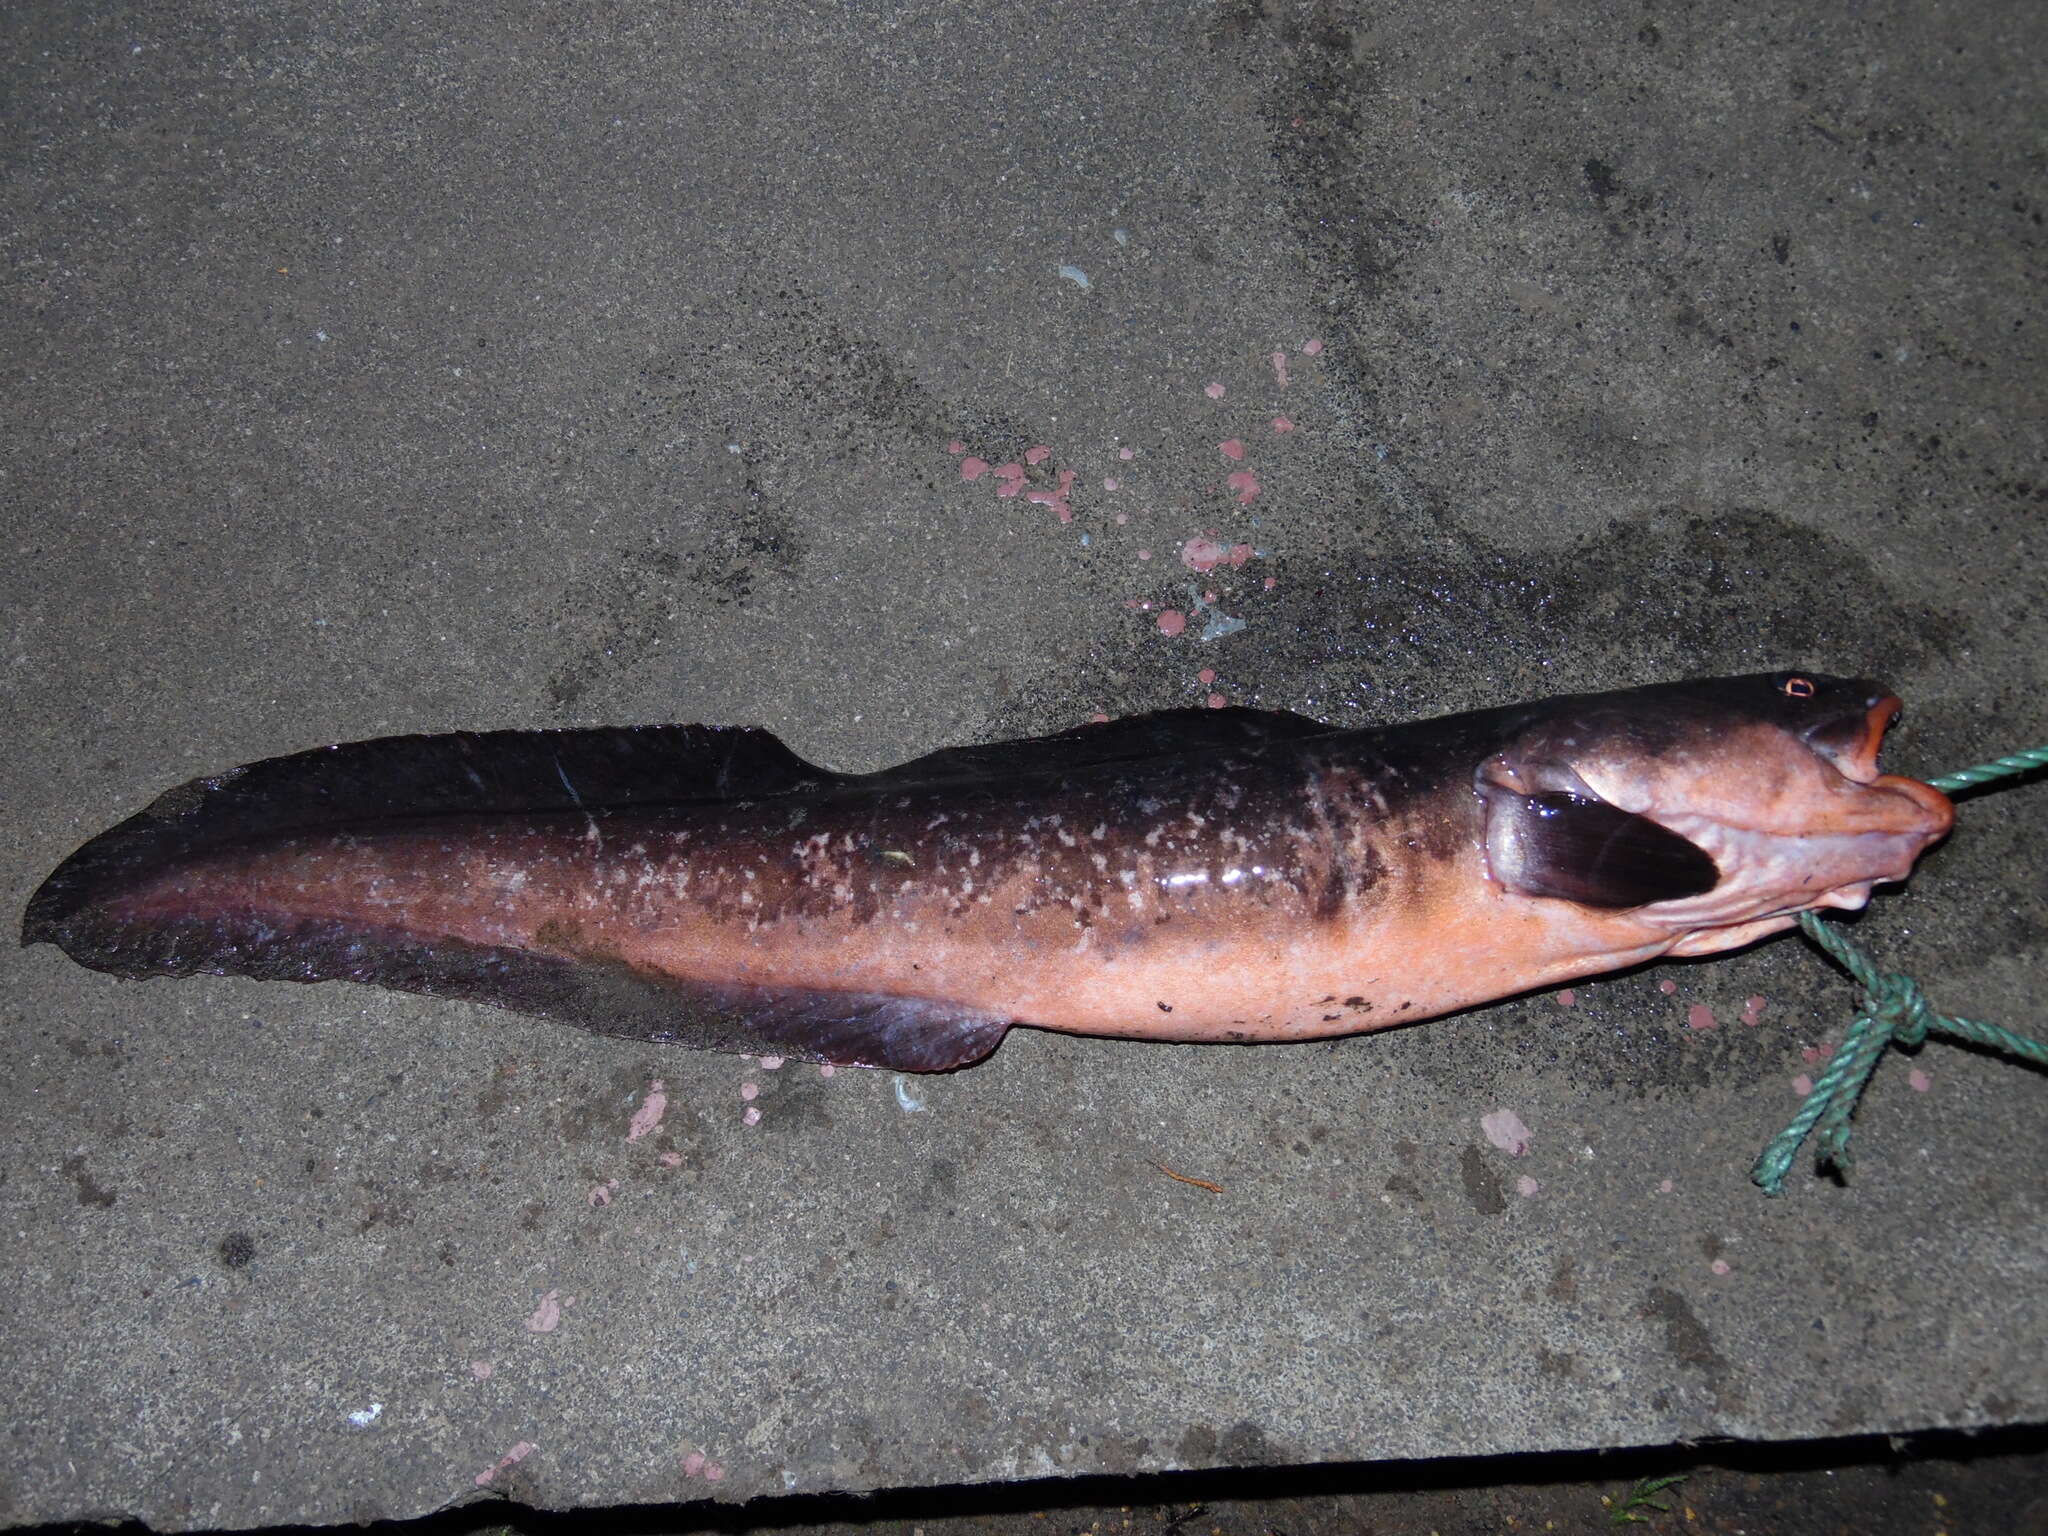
x=456 y=367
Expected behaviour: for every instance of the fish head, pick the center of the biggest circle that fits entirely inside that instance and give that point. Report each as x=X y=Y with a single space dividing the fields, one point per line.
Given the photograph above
x=1716 y=810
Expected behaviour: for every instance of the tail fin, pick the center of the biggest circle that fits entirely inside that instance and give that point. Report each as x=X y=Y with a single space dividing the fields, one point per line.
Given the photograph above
x=213 y=840
x=395 y=779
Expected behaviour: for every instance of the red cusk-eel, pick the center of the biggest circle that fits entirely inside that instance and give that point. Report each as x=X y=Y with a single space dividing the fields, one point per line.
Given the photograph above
x=1193 y=875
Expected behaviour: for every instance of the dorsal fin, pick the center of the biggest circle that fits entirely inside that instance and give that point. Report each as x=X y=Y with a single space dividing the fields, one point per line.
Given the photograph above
x=1163 y=733
x=368 y=783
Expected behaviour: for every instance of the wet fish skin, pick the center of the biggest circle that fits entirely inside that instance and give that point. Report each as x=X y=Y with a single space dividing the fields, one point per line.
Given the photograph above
x=1196 y=875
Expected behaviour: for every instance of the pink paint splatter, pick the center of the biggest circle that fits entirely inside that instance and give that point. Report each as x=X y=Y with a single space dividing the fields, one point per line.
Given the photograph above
x=1505 y=1130
x=1144 y=554
x=1239 y=553
x=771 y=1063
x=1172 y=622
x=1272 y=582
x=1699 y=1016
x=826 y=1069
x=1813 y=1053
x=1232 y=449
x=1203 y=554
x=1719 y=1266
x=1245 y=483
x=1666 y=1187
x=1567 y=998
x=1802 y=1085
x=1057 y=500
x=1109 y=482
x=714 y=1471
x=1012 y=476
x=1126 y=454
x=507 y=1462
x=751 y=1117
x=956 y=447
x=1752 y=1011
x=1919 y=1081
x=1216 y=701
x=651 y=1109
x=1098 y=718
x=1526 y=1186
x=750 y=1091
x=1667 y=987
x=1037 y=455
x=1280 y=368
x=482 y=1370
x=1312 y=347
x=972 y=468
x=1206 y=676
x=670 y=1159
x=547 y=1317
x=601 y=1194
x=697 y=1464
x=1214 y=391
x=1283 y=424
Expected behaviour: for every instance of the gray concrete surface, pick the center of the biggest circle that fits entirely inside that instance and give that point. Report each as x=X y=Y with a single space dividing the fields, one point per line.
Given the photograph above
x=448 y=367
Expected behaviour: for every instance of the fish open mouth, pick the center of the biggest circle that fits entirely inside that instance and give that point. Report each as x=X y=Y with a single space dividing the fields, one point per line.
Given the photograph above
x=1852 y=743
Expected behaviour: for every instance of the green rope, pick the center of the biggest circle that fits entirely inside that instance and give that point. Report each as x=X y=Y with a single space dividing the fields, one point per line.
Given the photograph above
x=1895 y=1012
x=1997 y=768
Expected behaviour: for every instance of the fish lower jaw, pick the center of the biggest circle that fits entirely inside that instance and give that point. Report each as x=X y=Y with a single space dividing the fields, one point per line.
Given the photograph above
x=1765 y=876
x=1849 y=898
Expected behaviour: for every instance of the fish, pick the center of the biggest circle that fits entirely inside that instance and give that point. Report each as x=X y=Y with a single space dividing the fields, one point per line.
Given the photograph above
x=1213 y=875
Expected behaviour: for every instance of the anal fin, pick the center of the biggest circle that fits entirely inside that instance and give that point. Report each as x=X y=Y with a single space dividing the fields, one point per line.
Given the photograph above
x=856 y=1029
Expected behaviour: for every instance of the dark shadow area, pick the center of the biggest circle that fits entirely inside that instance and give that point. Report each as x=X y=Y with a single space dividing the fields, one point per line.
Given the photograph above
x=1957 y=1481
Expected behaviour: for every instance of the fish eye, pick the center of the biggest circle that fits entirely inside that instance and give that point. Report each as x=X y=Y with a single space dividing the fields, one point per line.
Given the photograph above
x=1797 y=688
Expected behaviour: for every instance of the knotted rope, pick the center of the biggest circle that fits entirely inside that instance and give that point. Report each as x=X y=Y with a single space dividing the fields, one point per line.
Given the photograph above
x=1895 y=1012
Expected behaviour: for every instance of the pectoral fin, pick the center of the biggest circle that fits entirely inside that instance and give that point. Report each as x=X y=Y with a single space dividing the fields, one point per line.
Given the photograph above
x=1578 y=849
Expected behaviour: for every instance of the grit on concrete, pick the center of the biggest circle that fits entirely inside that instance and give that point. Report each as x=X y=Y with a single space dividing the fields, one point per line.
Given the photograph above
x=440 y=367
